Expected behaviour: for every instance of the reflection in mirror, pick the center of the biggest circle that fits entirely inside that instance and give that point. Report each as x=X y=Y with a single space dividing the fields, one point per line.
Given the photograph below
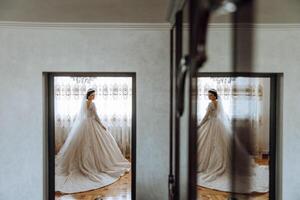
x=93 y=129
x=233 y=110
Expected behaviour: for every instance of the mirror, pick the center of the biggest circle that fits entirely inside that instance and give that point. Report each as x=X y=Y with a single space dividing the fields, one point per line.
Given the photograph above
x=234 y=136
x=93 y=135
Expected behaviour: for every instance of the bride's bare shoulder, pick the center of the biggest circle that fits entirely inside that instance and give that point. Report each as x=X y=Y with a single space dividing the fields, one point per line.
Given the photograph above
x=90 y=104
x=213 y=104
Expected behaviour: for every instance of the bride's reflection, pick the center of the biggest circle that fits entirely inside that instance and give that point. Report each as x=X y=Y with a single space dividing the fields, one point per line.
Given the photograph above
x=214 y=145
x=90 y=157
x=93 y=129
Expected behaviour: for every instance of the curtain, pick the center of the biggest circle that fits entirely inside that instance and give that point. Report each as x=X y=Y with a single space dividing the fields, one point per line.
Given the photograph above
x=113 y=102
x=245 y=100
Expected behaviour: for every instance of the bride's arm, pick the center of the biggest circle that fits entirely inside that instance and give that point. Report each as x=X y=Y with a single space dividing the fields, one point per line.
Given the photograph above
x=97 y=118
x=205 y=118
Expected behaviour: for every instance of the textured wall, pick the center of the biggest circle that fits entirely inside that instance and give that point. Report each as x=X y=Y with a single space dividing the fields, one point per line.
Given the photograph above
x=27 y=52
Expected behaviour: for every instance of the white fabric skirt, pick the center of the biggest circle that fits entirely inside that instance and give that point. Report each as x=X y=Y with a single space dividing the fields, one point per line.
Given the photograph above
x=214 y=162
x=89 y=159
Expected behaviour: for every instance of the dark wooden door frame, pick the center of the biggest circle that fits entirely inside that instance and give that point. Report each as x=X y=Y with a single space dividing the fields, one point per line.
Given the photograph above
x=274 y=115
x=50 y=124
x=171 y=177
x=178 y=56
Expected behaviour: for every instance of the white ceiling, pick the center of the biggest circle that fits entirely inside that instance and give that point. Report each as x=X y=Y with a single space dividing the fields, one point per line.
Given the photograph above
x=127 y=11
x=108 y=11
x=272 y=11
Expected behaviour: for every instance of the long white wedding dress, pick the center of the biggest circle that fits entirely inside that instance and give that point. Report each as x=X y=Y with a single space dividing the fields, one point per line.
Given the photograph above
x=214 y=157
x=90 y=157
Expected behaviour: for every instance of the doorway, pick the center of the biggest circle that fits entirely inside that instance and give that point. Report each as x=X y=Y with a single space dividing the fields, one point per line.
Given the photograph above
x=115 y=107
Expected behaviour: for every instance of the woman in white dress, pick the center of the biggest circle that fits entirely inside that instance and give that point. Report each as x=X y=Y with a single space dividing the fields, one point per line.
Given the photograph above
x=90 y=157
x=214 y=155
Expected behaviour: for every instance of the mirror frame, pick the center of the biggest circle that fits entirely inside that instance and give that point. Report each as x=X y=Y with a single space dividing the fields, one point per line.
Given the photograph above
x=50 y=125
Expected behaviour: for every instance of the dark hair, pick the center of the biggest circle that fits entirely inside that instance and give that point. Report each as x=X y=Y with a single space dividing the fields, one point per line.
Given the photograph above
x=89 y=93
x=214 y=92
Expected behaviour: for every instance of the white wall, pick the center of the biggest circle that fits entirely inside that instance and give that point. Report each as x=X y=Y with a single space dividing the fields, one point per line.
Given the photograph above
x=277 y=49
x=26 y=52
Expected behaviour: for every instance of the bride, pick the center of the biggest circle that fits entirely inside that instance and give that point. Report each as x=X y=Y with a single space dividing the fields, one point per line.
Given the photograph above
x=214 y=155
x=90 y=157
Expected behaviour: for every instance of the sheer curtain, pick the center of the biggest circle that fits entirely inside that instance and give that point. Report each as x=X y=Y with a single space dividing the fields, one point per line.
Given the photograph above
x=245 y=100
x=113 y=102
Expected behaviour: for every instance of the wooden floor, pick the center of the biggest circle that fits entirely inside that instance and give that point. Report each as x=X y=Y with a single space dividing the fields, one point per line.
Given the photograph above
x=120 y=190
x=209 y=194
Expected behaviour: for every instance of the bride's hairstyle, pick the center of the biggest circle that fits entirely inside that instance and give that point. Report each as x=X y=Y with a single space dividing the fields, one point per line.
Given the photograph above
x=89 y=92
x=214 y=92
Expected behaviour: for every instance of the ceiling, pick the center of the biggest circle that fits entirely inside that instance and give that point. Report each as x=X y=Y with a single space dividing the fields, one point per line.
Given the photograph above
x=272 y=11
x=128 y=11
x=105 y=11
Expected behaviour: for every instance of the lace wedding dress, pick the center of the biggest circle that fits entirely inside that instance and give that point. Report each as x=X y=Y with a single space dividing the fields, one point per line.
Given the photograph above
x=214 y=157
x=90 y=157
